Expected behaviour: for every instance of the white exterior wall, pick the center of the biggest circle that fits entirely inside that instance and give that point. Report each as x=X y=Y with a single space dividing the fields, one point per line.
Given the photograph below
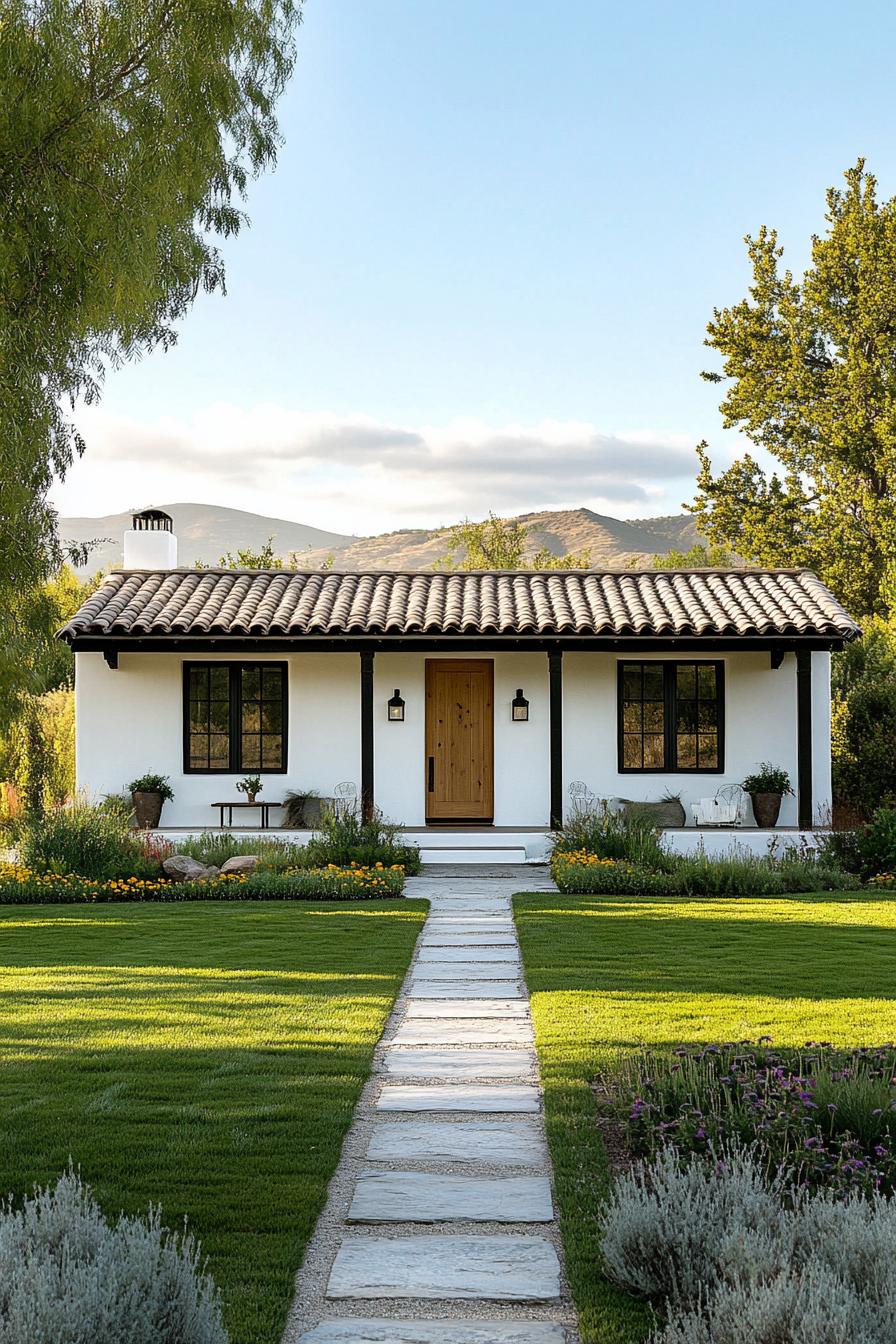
x=760 y=725
x=522 y=783
x=130 y=721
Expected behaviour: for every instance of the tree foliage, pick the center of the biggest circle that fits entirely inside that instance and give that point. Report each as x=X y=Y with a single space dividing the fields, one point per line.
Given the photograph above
x=810 y=369
x=128 y=132
x=36 y=693
x=36 y=661
x=697 y=556
x=863 y=720
x=264 y=558
x=502 y=543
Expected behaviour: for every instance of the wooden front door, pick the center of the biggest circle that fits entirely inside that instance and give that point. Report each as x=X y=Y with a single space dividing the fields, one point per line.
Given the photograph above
x=459 y=762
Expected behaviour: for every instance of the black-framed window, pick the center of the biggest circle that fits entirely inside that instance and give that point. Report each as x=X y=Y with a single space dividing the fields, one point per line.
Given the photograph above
x=671 y=716
x=235 y=718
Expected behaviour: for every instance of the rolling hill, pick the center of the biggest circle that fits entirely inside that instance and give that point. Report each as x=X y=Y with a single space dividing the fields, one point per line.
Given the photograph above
x=205 y=532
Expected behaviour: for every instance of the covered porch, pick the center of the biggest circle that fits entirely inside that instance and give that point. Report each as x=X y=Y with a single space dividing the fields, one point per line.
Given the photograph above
x=464 y=706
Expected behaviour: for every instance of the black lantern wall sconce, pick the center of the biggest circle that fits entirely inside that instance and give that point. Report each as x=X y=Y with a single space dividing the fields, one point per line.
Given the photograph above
x=519 y=708
x=396 y=708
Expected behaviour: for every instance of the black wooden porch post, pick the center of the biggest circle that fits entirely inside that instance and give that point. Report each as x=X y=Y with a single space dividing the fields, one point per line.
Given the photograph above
x=804 y=737
x=555 y=700
x=367 y=799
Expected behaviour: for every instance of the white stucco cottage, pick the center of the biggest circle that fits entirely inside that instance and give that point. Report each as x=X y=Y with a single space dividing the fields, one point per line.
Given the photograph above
x=463 y=705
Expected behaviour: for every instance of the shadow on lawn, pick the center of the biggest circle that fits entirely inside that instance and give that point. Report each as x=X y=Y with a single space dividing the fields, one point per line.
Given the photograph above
x=241 y=1142
x=640 y=945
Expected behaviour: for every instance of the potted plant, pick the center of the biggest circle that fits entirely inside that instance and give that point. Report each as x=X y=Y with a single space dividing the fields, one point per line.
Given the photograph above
x=304 y=808
x=766 y=789
x=250 y=786
x=148 y=793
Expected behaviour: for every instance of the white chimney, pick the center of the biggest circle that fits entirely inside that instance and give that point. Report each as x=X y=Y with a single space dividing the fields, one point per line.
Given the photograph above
x=150 y=543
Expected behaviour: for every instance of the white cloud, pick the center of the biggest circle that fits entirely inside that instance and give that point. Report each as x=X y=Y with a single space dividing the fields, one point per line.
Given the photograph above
x=359 y=474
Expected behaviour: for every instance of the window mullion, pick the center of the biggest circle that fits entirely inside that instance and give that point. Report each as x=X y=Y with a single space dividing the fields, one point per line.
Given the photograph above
x=236 y=718
x=670 y=712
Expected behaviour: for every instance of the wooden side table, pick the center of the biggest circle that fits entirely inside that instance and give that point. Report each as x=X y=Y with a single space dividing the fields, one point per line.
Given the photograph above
x=264 y=806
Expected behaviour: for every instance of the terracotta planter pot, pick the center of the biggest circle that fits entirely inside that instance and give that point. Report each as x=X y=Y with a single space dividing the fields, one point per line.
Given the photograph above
x=766 y=807
x=147 y=809
x=250 y=797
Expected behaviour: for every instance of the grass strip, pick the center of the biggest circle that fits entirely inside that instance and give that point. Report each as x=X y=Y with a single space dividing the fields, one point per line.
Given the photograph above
x=207 y=1057
x=609 y=974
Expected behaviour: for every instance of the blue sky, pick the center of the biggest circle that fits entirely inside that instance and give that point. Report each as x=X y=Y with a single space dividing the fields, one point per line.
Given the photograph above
x=480 y=276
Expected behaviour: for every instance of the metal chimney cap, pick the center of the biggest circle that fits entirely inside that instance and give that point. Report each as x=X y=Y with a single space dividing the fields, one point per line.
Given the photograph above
x=152 y=520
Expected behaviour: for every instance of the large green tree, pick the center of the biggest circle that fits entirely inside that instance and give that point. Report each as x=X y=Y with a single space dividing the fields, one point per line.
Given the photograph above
x=810 y=373
x=129 y=130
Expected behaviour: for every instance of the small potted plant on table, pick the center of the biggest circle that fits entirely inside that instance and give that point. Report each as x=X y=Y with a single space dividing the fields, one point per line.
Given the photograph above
x=148 y=794
x=766 y=788
x=250 y=786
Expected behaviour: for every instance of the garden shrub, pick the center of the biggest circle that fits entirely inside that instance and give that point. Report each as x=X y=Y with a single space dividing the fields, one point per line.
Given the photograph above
x=583 y=872
x=876 y=844
x=91 y=840
x=734 y=1257
x=600 y=852
x=612 y=835
x=839 y=849
x=794 y=1307
x=864 y=763
x=689 y=875
x=672 y=1227
x=344 y=838
x=66 y=1274
x=825 y=1118
x=214 y=848
x=727 y=875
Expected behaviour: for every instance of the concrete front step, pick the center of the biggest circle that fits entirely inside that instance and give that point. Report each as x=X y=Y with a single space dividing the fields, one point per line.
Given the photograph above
x=363 y=1330
x=488 y=1268
x=426 y=1197
x=502 y=854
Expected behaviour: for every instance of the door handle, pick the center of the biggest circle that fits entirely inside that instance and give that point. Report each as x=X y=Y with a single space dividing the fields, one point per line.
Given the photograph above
x=431 y=769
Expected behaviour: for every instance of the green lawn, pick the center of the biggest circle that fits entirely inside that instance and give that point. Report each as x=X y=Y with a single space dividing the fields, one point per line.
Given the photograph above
x=608 y=974
x=207 y=1057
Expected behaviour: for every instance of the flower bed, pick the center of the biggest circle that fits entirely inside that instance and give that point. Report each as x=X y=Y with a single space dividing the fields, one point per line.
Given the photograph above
x=580 y=871
x=19 y=884
x=588 y=873
x=825 y=1118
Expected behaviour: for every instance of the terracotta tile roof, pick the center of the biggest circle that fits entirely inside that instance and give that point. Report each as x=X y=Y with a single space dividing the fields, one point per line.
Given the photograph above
x=648 y=603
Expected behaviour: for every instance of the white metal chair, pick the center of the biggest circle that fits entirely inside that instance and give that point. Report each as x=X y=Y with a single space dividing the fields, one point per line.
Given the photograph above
x=581 y=799
x=345 y=797
x=725 y=809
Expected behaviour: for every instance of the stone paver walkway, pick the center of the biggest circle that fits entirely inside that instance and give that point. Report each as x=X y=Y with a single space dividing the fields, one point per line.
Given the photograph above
x=440 y=1223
